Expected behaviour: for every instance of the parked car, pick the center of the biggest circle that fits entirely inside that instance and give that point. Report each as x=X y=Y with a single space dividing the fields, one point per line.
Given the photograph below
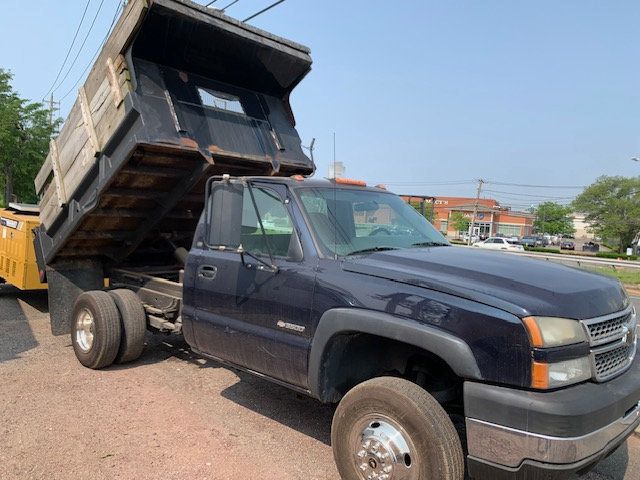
x=497 y=243
x=474 y=238
x=567 y=245
x=528 y=241
x=591 y=247
x=542 y=242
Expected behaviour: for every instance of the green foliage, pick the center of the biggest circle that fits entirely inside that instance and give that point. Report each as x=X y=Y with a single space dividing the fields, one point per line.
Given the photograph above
x=459 y=222
x=612 y=206
x=627 y=276
x=615 y=255
x=542 y=249
x=553 y=218
x=428 y=209
x=24 y=142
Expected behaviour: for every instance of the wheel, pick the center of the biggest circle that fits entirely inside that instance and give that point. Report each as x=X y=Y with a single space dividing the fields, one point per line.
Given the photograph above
x=96 y=331
x=134 y=324
x=389 y=428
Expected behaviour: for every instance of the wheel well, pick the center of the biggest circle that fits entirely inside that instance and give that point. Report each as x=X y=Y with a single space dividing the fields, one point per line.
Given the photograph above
x=352 y=358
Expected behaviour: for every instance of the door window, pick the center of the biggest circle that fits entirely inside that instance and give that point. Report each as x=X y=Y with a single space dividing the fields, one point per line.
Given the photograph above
x=278 y=228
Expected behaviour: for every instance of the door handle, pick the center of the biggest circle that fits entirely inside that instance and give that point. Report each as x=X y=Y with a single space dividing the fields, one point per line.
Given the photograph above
x=208 y=272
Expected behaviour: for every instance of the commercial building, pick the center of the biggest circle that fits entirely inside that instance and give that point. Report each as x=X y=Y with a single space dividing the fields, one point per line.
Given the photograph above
x=491 y=217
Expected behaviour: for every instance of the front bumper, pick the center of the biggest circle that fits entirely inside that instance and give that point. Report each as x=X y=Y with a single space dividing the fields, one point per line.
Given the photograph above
x=518 y=434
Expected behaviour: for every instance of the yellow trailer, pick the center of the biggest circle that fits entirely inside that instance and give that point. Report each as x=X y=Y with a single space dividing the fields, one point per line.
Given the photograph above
x=17 y=253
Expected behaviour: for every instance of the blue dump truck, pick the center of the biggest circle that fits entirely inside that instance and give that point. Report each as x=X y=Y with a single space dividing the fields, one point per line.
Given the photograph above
x=179 y=176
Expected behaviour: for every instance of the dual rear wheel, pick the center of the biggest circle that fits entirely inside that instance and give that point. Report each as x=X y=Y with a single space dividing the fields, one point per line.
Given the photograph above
x=108 y=327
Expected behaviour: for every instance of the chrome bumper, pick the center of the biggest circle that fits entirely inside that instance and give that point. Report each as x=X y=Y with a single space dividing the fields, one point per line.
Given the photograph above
x=509 y=447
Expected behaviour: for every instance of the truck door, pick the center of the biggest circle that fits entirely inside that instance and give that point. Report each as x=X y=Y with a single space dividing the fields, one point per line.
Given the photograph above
x=245 y=312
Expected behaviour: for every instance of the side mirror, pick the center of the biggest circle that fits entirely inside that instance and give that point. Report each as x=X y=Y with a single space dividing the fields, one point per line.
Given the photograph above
x=223 y=218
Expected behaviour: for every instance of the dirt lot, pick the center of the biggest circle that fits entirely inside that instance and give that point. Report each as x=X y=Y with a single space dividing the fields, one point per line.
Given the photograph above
x=169 y=415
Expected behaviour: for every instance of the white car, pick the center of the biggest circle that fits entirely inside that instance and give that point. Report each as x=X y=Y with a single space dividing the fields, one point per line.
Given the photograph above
x=498 y=243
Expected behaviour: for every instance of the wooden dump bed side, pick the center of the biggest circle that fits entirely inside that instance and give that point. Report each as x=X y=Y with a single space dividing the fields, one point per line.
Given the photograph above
x=178 y=93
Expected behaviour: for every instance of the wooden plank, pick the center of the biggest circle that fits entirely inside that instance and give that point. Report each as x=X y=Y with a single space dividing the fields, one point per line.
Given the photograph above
x=68 y=153
x=57 y=174
x=88 y=121
x=123 y=33
x=79 y=168
x=71 y=125
x=116 y=93
x=109 y=121
x=43 y=174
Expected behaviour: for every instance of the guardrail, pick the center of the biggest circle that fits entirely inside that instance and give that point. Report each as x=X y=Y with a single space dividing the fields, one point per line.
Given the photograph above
x=578 y=260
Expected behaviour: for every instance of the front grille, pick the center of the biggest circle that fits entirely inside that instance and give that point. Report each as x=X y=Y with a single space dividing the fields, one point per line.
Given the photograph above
x=611 y=362
x=613 y=341
x=602 y=332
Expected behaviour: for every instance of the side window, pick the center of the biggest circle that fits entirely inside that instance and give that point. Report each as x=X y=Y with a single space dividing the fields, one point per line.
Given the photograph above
x=275 y=220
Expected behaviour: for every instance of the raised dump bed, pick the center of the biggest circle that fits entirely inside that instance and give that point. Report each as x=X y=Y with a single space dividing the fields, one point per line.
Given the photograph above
x=178 y=93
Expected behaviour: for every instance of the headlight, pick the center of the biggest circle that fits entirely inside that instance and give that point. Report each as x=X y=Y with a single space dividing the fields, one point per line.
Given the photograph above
x=547 y=332
x=560 y=374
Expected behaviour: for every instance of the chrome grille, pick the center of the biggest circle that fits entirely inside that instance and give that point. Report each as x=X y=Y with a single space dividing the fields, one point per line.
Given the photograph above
x=610 y=362
x=613 y=340
x=605 y=330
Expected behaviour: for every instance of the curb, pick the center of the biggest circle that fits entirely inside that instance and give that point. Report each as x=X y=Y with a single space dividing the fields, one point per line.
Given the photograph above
x=632 y=290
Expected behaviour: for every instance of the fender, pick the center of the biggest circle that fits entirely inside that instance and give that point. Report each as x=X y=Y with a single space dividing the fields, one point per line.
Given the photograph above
x=454 y=351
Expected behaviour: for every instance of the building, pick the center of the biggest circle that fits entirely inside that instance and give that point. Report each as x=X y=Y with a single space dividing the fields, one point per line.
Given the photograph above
x=337 y=170
x=491 y=218
x=581 y=226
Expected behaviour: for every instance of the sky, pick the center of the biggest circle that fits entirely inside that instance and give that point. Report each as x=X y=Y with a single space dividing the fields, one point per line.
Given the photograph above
x=423 y=96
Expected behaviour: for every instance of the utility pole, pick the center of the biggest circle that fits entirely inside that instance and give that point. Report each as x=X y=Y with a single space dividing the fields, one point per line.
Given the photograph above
x=53 y=106
x=475 y=210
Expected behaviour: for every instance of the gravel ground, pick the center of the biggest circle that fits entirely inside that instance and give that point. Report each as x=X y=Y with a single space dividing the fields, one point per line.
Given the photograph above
x=168 y=415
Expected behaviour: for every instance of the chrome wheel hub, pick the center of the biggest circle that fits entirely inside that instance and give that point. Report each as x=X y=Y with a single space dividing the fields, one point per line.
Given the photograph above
x=84 y=330
x=384 y=452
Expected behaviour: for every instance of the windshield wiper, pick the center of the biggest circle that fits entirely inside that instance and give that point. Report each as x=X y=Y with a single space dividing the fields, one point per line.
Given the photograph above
x=372 y=249
x=429 y=244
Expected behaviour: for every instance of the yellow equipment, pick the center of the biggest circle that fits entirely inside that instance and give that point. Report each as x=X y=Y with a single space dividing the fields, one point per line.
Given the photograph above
x=17 y=253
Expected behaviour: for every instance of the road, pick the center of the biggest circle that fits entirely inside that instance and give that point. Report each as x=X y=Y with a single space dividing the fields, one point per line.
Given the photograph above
x=171 y=415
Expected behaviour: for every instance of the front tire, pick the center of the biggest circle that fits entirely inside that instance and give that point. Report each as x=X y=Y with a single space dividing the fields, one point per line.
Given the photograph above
x=388 y=428
x=95 y=331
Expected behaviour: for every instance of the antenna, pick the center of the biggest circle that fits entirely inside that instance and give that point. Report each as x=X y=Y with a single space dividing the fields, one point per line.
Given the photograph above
x=335 y=203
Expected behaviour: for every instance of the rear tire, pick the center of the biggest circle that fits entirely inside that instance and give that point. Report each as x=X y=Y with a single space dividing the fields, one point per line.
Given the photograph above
x=134 y=325
x=95 y=329
x=391 y=428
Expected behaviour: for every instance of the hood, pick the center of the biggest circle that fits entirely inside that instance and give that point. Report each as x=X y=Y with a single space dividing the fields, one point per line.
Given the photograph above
x=520 y=285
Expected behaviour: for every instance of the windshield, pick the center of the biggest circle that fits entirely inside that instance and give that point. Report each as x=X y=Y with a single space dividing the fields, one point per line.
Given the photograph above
x=350 y=221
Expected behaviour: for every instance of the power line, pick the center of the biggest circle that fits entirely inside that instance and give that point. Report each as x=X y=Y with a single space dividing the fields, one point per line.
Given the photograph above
x=81 y=46
x=73 y=42
x=210 y=3
x=505 y=184
x=518 y=194
x=263 y=10
x=232 y=3
x=113 y=21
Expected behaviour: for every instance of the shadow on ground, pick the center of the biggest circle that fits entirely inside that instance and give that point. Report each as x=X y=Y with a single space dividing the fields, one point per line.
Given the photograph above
x=17 y=334
x=296 y=411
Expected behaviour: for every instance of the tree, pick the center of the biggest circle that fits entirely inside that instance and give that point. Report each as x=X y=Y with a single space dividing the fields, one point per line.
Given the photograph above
x=24 y=141
x=612 y=206
x=554 y=219
x=459 y=222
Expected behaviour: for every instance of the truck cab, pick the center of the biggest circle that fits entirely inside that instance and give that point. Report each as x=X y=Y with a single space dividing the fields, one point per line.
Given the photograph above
x=431 y=352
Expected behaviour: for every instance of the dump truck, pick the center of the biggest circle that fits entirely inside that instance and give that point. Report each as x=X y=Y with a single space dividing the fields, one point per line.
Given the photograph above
x=180 y=177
